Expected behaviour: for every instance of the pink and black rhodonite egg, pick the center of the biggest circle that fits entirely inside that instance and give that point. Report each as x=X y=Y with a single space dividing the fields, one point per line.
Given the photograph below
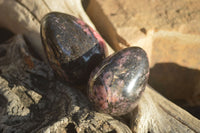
x=73 y=48
x=117 y=83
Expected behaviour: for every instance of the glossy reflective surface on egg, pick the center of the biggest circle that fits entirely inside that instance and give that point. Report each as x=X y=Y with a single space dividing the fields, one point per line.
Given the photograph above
x=73 y=48
x=117 y=83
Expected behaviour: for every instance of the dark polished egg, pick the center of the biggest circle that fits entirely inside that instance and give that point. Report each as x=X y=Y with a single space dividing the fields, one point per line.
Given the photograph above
x=73 y=48
x=118 y=82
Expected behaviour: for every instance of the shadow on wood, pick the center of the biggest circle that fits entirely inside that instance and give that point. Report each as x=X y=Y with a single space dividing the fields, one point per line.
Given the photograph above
x=179 y=84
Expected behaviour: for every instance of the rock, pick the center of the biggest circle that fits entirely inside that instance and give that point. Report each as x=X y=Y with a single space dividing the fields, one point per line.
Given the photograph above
x=118 y=82
x=73 y=48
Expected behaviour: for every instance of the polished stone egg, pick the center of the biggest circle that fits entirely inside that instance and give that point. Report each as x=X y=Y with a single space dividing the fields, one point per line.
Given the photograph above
x=116 y=85
x=72 y=47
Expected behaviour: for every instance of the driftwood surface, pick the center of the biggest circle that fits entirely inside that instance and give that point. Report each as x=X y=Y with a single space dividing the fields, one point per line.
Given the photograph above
x=33 y=100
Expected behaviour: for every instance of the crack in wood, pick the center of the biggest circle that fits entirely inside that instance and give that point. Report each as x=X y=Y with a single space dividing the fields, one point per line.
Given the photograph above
x=46 y=5
x=176 y=118
x=23 y=5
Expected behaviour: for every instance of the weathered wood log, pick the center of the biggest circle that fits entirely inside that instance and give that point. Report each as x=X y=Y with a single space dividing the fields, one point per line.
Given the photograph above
x=32 y=100
x=156 y=114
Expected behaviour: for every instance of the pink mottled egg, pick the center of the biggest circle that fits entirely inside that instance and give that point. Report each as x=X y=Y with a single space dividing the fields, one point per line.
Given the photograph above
x=116 y=85
x=72 y=47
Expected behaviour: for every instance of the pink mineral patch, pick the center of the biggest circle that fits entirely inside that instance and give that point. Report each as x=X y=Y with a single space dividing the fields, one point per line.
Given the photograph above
x=100 y=97
x=88 y=31
x=126 y=53
x=85 y=28
x=114 y=98
x=100 y=40
x=122 y=60
x=107 y=78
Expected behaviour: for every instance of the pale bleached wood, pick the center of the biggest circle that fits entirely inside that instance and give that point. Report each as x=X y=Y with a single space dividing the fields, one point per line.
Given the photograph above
x=154 y=113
